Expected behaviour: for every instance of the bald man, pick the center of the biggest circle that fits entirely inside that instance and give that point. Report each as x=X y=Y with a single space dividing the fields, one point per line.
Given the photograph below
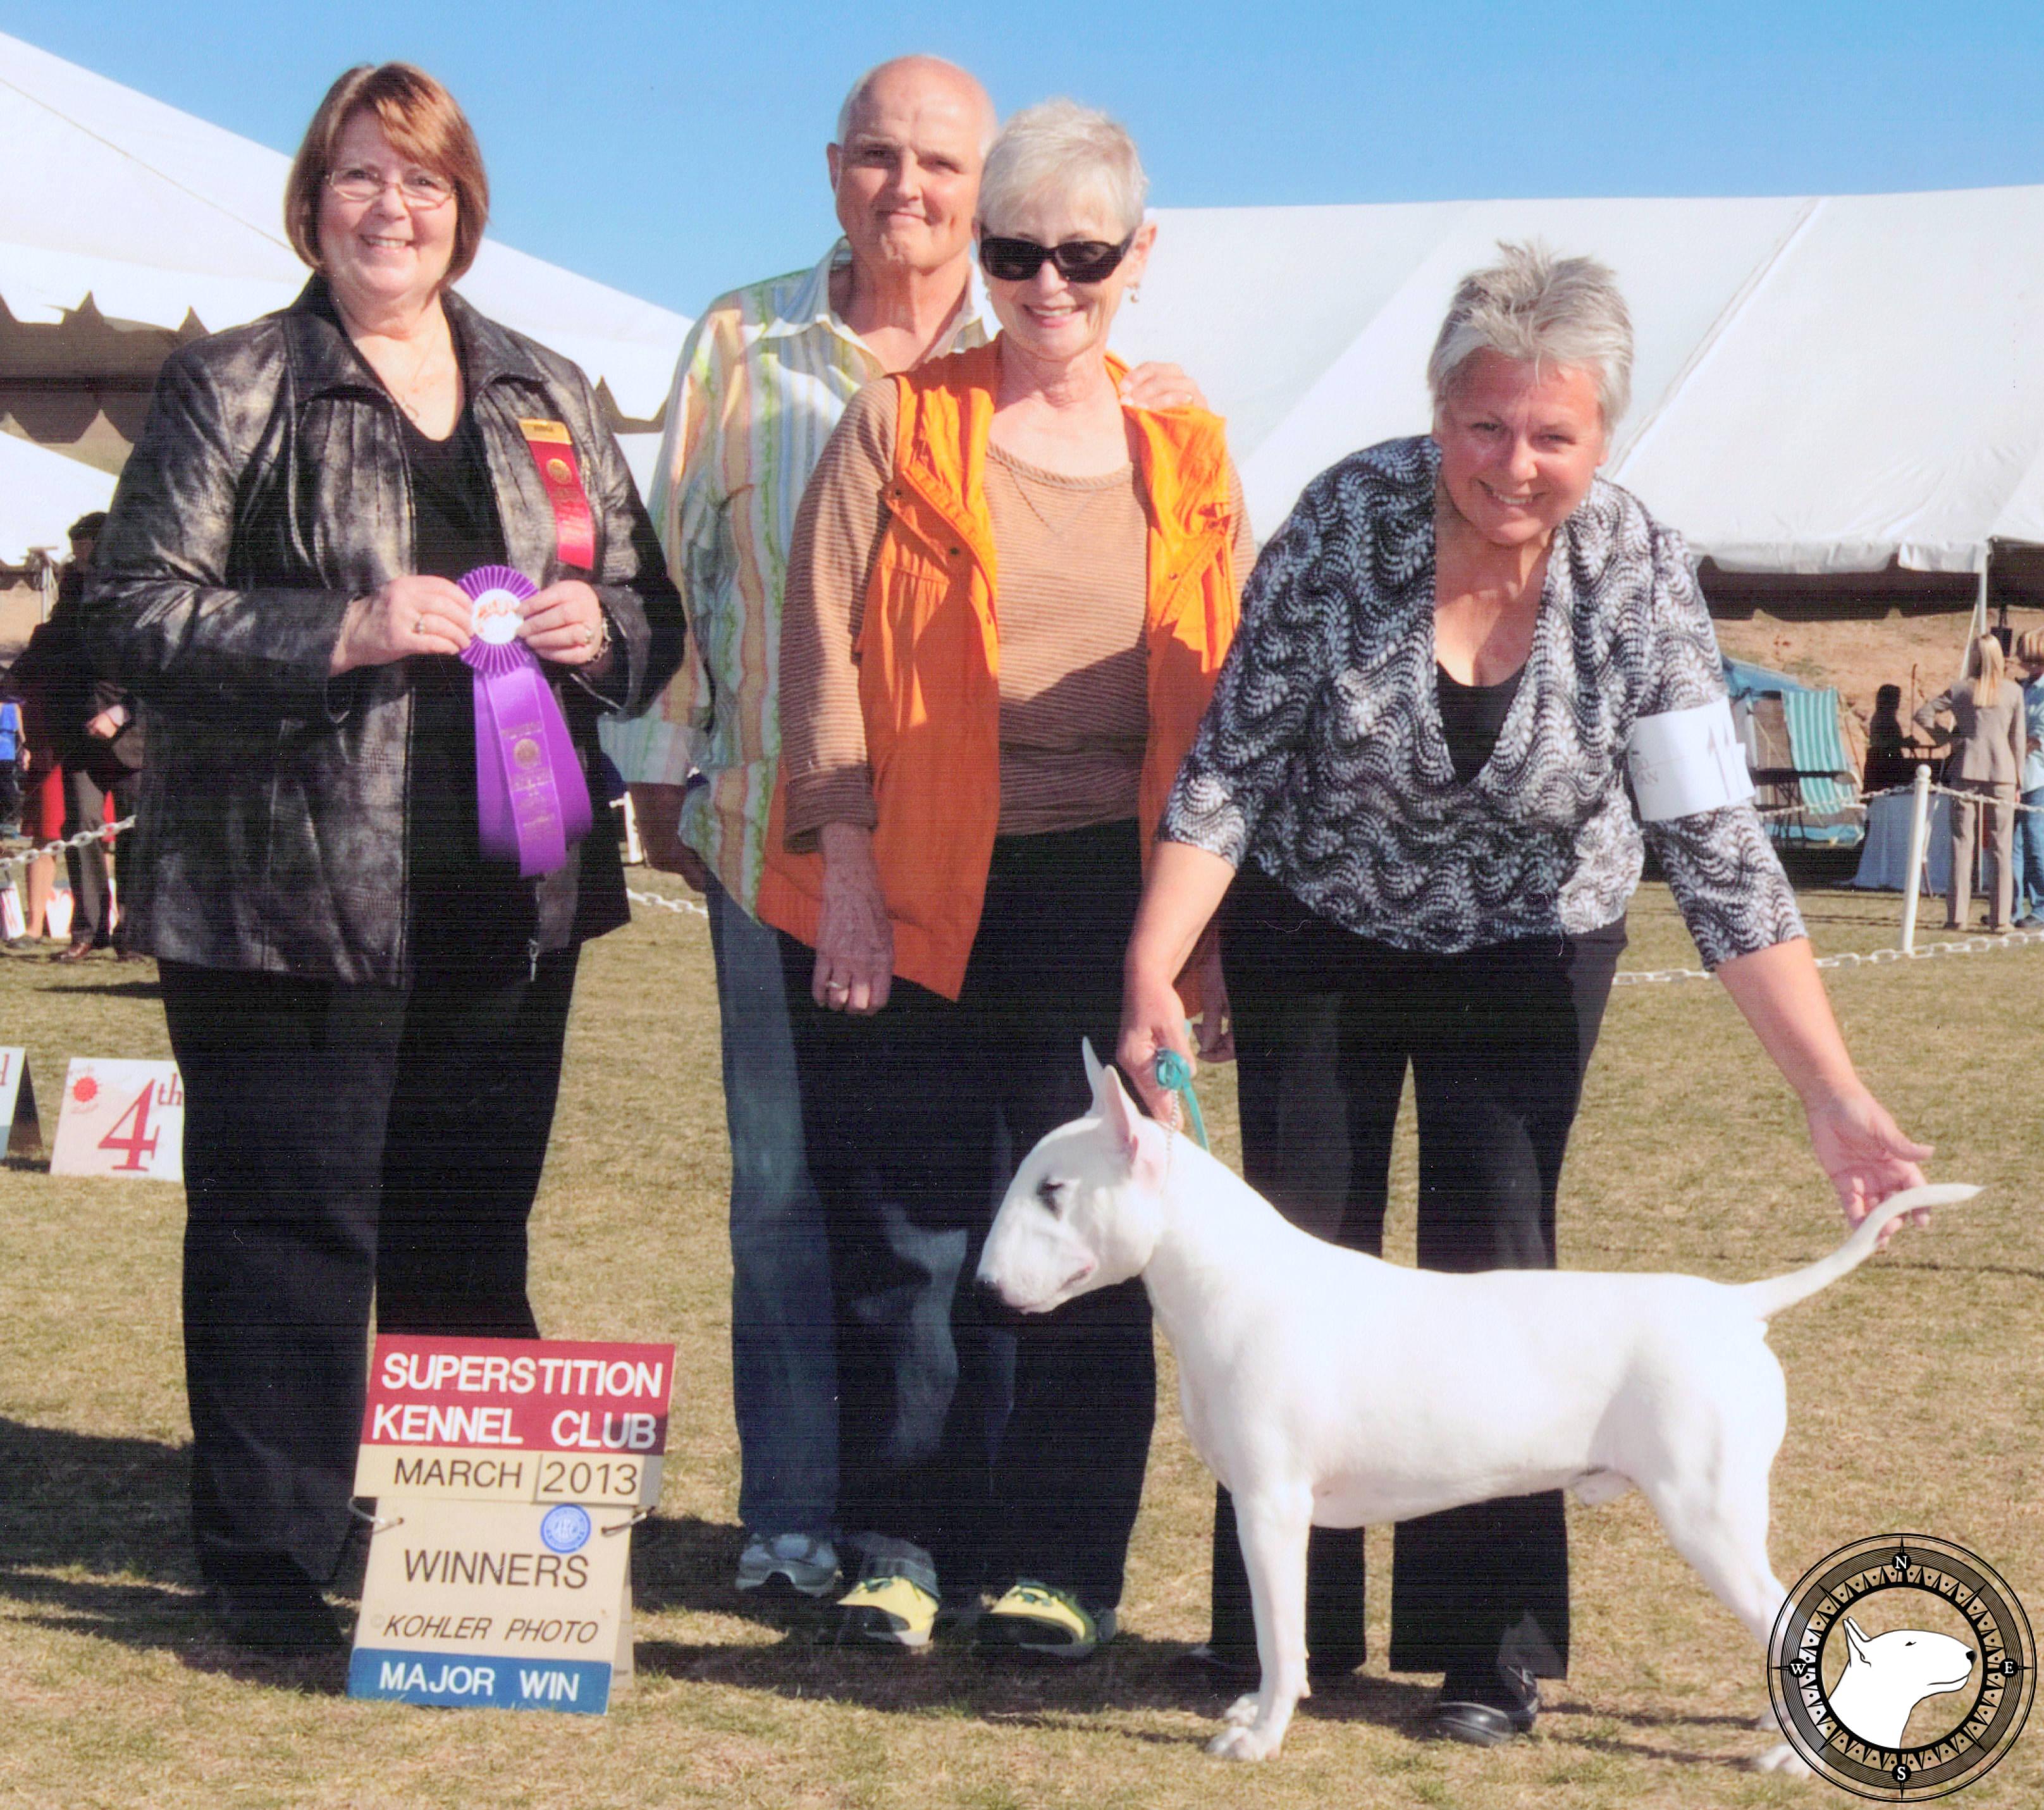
x=763 y=378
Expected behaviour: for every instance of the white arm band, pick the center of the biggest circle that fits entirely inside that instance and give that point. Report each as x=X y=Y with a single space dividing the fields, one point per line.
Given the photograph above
x=1682 y=762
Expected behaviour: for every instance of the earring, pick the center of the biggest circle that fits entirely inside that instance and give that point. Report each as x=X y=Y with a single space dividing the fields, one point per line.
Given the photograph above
x=1135 y=293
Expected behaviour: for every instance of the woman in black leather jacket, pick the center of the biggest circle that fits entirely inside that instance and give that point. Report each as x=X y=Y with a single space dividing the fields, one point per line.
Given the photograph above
x=367 y=1012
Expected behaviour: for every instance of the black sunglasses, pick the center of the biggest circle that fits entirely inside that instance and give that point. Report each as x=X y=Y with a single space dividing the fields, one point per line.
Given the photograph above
x=1078 y=260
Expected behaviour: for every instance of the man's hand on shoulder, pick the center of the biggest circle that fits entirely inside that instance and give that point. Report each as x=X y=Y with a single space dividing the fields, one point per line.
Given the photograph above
x=1160 y=386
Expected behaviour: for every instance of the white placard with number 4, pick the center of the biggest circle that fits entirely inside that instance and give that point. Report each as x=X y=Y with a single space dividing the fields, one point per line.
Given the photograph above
x=121 y=1117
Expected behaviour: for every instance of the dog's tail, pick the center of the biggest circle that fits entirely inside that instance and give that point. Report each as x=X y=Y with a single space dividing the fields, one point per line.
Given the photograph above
x=1767 y=1298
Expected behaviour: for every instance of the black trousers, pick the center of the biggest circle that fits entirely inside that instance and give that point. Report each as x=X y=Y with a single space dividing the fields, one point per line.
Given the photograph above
x=1497 y=1040
x=86 y=806
x=1004 y=1447
x=339 y=1140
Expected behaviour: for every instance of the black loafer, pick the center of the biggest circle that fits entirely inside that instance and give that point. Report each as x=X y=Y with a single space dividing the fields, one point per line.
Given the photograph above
x=1462 y=1716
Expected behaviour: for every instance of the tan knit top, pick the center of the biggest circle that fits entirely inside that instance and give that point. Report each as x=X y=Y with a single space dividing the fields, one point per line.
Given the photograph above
x=1072 y=563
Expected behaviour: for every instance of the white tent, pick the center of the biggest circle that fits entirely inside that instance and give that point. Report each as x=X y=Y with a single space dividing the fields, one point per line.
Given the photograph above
x=1825 y=385
x=41 y=494
x=158 y=220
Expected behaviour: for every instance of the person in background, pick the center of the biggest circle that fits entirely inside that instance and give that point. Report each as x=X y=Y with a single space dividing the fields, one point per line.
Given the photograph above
x=1891 y=753
x=2029 y=820
x=42 y=803
x=1986 y=736
x=13 y=755
x=763 y=378
x=973 y=765
x=98 y=742
x=367 y=1004
x=1411 y=790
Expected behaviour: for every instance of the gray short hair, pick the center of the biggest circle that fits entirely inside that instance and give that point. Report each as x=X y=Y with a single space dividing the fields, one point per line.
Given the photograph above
x=855 y=97
x=1071 y=150
x=1544 y=310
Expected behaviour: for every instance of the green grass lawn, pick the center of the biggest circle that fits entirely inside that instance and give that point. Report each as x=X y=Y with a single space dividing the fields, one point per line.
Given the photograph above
x=1916 y=1402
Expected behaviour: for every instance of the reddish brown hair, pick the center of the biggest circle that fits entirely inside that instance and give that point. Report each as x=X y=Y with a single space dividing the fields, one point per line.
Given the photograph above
x=422 y=122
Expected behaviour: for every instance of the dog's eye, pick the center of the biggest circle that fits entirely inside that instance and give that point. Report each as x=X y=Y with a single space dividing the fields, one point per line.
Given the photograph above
x=1052 y=1194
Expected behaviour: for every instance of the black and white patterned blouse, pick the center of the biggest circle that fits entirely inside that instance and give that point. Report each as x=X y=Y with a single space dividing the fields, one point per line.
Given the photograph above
x=1322 y=756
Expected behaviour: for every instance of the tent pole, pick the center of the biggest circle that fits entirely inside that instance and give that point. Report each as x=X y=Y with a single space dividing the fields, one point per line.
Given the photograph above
x=1919 y=834
x=1977 y=627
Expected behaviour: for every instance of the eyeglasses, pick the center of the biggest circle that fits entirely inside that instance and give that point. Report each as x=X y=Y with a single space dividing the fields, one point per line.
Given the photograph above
x=1078 y=260
x=416 y=188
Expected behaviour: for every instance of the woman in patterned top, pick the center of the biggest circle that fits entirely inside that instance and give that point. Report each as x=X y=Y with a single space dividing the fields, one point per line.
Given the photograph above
x=1411 y=788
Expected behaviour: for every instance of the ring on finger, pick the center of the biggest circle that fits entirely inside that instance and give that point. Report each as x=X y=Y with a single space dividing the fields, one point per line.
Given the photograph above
x=418 y=625
x=585 y=635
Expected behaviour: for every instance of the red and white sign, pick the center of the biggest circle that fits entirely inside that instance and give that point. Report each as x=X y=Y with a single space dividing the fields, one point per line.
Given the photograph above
x=121 y=1117
x=19 y=1122
x=515 y=1419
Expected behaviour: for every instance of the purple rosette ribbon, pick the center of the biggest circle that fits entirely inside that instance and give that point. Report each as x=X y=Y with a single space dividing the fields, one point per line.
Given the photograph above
x=532 y=799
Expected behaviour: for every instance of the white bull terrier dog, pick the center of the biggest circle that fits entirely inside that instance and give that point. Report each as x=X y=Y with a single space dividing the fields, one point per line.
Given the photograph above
x=1887 y=1676
x=1303 y=1389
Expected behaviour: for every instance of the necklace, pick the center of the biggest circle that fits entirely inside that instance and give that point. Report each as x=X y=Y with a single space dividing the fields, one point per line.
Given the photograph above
x=1027 y=482
x=424 y=382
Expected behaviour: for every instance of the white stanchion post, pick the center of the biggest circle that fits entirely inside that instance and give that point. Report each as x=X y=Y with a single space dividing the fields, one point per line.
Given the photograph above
x=634 y=851
x=1919 y=833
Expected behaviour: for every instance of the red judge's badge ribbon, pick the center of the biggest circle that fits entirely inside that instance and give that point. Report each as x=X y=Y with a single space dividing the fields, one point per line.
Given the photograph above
x=575 y=528
x=531 y=798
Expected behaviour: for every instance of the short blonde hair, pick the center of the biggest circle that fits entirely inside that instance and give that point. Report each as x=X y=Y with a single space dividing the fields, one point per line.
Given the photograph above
x=1540 y=309
x=1060 y=148
x=422 y=122
x=2029 y=647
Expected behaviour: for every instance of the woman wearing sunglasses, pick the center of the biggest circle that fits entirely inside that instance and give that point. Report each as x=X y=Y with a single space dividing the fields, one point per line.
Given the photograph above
x=1008 y=599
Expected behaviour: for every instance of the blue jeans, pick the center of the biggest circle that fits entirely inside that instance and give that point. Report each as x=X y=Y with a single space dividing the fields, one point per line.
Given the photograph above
x=783 y=1340
x=2029 y=856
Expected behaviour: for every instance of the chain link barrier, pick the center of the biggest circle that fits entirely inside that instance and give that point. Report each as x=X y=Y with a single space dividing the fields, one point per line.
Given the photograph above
x=1873 y=959
x=58 y=847
x=679 y=907
x=1641 y=977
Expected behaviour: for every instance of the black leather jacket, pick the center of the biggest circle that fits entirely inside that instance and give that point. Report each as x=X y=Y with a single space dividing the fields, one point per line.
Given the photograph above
x=268 y=490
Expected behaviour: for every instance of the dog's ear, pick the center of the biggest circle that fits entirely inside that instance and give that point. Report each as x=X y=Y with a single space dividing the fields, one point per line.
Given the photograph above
x=1855 y=1642
x=1096 y=1074
x=1140 y=1140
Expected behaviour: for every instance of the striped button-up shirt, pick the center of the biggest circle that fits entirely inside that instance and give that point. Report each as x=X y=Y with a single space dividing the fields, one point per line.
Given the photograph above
x=763 y=378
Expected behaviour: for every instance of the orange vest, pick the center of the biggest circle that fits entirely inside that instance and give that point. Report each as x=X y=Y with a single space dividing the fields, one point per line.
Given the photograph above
x=929 y=657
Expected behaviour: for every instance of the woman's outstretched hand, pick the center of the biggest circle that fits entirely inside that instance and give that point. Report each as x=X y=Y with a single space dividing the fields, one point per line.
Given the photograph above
x=1867 y=1155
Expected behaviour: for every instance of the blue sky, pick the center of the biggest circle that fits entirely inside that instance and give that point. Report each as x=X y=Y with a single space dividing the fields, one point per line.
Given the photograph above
x=675 y=149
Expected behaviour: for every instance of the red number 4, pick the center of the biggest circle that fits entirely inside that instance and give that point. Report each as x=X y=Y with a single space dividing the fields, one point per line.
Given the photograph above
x=140 y=1145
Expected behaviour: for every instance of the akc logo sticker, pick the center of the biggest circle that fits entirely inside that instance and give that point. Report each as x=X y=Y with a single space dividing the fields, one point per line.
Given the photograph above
x=1902 y=1667
x=565 y=1529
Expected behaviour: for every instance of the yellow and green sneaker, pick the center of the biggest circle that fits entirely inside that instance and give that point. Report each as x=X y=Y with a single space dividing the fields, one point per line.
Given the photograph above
x=1037 y=1618
x=886 y=1612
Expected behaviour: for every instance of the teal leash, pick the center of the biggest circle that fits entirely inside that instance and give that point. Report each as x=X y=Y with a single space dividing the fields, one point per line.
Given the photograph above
x=1175 y=1073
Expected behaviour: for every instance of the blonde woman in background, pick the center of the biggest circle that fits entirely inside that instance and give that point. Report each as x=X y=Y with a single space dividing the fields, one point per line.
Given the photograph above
x=1987 y=739
x=2030 y=821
